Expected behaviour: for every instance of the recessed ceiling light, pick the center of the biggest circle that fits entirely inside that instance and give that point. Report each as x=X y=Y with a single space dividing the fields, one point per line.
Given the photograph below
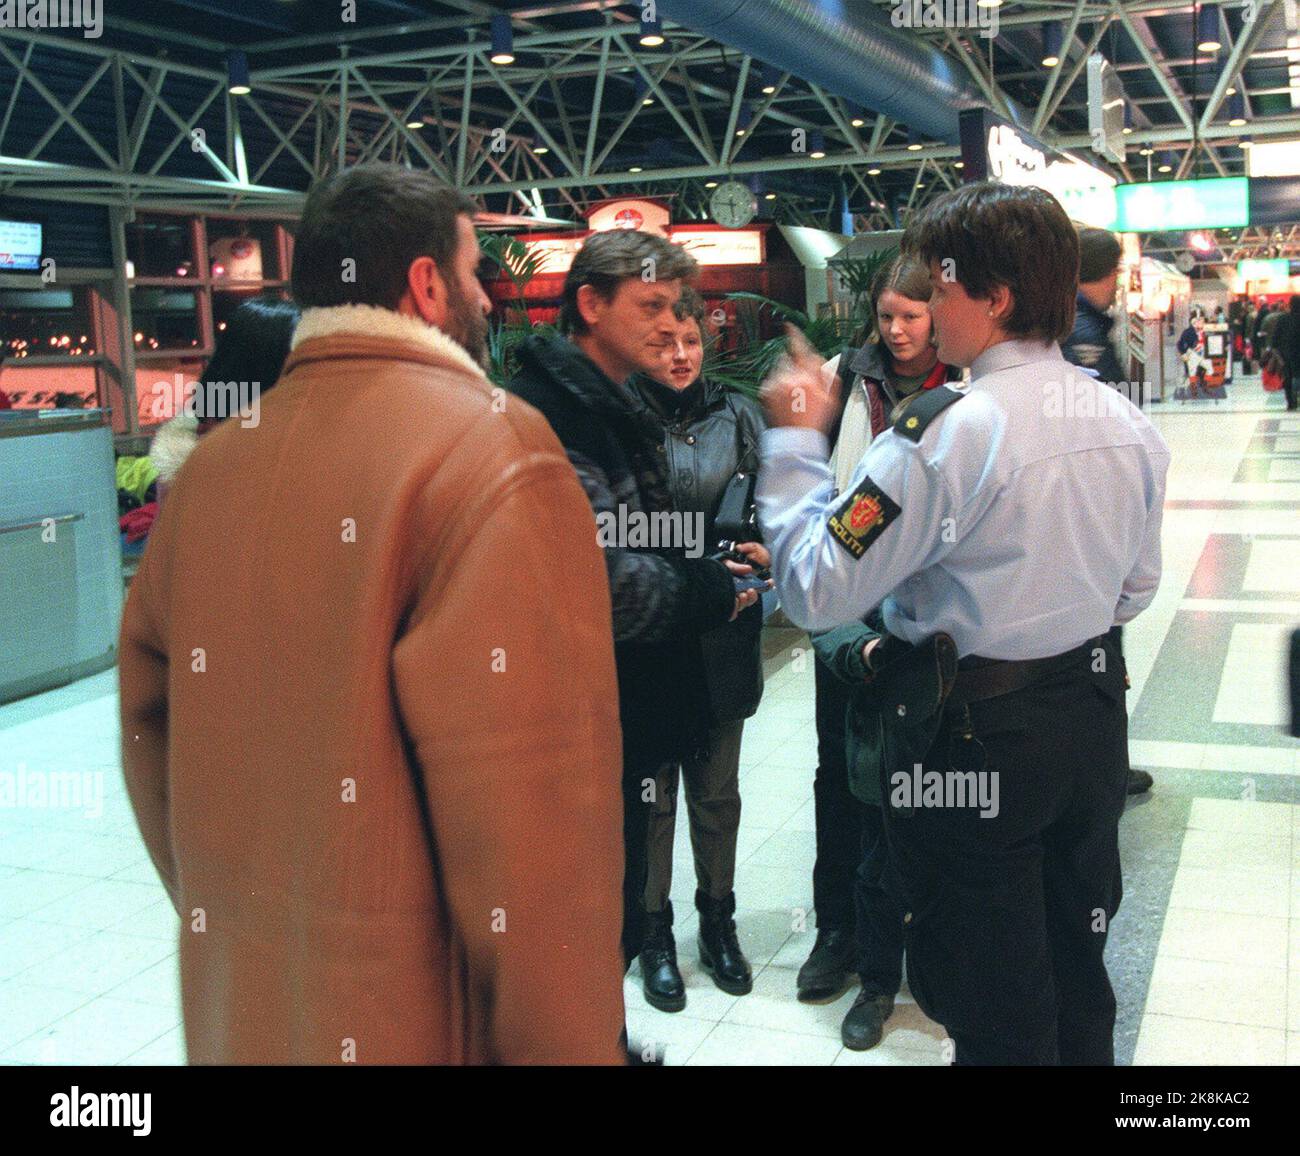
x=636 y=169
x=873 y=172
x=710 y=184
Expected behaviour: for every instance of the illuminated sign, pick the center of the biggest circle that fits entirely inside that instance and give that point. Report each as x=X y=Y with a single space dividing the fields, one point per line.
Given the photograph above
x=1273 y=159
x=707 y=246
x=723 y=246
x=1012 y=157
x=630 y=213
x=555 y=255
x=20 y=245
x=1161 y=206
x=1264 y=269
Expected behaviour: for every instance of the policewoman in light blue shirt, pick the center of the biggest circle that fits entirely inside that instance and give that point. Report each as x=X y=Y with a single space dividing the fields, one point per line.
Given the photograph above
x=1001 y=530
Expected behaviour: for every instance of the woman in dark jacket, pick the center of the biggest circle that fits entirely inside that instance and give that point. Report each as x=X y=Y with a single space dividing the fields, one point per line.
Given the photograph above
x=710 y=439
x=246 y=361
x=859 y=927
x=1286 y=341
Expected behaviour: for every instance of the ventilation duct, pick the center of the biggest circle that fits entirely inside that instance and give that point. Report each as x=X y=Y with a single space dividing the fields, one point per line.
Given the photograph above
x=848 y=47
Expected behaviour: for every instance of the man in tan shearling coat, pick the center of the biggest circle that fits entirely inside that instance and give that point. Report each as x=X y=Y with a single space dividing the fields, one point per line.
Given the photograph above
x=369 y=711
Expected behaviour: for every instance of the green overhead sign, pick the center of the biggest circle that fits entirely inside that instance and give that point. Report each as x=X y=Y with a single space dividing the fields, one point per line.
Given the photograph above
x=1264 y=269
x=1161 y=206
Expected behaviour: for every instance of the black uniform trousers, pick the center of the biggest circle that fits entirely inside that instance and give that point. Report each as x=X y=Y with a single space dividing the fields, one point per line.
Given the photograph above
x=1007 y=916
x=838 y=814
x=879 y=913
x=636 y=824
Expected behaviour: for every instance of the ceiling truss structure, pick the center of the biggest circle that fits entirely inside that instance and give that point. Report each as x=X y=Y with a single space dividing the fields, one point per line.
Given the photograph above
x=587 y=112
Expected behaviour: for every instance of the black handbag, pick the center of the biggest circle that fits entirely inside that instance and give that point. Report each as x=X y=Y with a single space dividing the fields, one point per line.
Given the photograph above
x=737 y=517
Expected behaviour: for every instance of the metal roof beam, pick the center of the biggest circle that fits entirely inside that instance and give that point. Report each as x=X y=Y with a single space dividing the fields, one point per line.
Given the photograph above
x=1175 y=98
x=1241 y=51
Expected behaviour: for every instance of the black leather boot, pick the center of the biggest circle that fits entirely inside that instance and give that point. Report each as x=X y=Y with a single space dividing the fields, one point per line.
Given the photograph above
x=720 y=953
x=660 y=979
x=826 y=972
x=864 y=1024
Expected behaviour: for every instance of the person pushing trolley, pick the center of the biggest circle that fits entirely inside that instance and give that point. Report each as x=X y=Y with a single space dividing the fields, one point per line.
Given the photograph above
x=991 y=537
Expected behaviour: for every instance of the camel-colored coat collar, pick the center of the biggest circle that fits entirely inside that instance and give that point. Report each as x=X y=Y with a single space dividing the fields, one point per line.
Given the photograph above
x=374 y=321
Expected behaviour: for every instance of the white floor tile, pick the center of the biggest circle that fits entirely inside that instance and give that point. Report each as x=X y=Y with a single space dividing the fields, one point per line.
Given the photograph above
x=28 y=1008
x=105 y=1031
x=165 y=1051
x=102 y=904
x=669 y=1037
x=1222 y=992
x=1224 y=937
x=1166 y=1039
x=737 y=1045
x=1240 y=892
x=24 y=944
x=99 y=963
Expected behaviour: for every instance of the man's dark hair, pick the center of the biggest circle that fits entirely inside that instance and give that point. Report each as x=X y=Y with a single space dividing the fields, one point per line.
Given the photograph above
x=690 y=306
x=608 y=259
x=380 y=218
x=1009 y=235
x=1099 y=254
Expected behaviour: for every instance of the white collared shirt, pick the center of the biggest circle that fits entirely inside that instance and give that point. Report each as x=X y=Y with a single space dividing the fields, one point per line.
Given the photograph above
x=1025 y=521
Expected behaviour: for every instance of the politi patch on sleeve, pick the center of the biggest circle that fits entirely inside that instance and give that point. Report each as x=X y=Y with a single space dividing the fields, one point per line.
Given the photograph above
x=863 y=516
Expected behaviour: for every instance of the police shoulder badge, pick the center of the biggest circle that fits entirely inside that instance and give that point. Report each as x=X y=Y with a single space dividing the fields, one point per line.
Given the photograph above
x=862 y=517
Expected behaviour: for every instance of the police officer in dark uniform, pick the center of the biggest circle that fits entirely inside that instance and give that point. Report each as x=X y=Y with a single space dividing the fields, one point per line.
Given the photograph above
x=1002 y=530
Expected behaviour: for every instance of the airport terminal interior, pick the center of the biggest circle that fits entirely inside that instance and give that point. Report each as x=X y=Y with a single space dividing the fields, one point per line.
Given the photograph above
x=151 y=176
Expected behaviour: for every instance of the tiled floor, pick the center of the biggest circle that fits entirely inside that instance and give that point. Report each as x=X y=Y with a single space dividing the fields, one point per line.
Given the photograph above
x=1205 y=951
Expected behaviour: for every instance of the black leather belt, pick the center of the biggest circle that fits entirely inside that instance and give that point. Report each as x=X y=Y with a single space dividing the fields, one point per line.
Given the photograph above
x=981 y=678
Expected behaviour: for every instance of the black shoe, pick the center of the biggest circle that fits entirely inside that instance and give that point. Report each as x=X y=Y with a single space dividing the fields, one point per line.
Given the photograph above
x=1139 y=782
x=865 y=1022
x=827 y=971
x=720 y=953
x=660 y=979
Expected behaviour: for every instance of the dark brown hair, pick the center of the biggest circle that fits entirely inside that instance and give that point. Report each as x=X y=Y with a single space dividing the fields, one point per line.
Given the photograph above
x=690 y=307
x=1099 y=254
x=608 y=259
x=381 y=218
x=1009 y=235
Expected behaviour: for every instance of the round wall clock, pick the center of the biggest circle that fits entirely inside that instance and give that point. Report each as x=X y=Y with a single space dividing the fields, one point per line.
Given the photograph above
x=733 y=205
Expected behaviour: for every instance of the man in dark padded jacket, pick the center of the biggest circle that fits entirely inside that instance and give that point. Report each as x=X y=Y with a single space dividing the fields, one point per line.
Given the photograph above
x=617 y=314
x=1089 y=346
